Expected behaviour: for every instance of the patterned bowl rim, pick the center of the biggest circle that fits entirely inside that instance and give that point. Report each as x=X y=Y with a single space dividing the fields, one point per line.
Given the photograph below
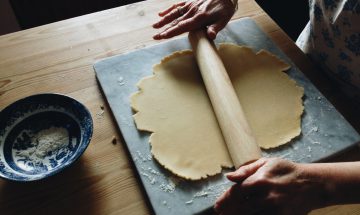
x=79 y=153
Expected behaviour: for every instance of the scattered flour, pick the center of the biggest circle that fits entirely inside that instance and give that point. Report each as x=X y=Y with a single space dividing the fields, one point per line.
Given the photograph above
x=151 y=179
x=169 y=188
x=100 y=114
x=189 y=202
x=142 y=157
x=121 y=81
x=201 y=194
x=168 y=184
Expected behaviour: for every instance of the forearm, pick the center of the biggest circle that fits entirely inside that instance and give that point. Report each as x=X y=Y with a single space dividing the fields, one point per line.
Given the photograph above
x=340 y=181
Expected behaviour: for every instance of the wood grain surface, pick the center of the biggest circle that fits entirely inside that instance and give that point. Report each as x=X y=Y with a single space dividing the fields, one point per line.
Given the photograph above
x=58 y=58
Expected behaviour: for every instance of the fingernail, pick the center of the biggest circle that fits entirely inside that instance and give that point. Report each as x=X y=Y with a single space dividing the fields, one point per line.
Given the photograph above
x=156 y=37
x=229 y=174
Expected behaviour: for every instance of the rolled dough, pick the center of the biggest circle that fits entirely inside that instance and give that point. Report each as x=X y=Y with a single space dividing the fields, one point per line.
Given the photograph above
x=174 y=106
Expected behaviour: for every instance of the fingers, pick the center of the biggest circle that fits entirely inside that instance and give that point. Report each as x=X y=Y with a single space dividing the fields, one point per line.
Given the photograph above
x=246 y=171
x=183 y=17
x=186 y=25
x=179 y=12
x=214 y=29
x=195 y=14
x=237 y=200
x=171 y=16
x=228 y=199
x=163 y=13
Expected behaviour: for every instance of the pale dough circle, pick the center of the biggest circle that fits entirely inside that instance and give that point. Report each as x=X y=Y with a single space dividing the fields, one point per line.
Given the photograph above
x=174 y=106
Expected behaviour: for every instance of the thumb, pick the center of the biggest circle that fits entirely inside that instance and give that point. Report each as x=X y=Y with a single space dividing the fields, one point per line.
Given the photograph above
x=214 y=29
x=245 y=171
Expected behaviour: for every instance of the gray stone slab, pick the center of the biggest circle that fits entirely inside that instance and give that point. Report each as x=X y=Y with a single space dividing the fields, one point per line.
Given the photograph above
x=325 y=132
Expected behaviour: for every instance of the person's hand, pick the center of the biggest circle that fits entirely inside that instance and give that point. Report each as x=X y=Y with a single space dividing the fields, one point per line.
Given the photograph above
x=195 y=14
x=272 y=186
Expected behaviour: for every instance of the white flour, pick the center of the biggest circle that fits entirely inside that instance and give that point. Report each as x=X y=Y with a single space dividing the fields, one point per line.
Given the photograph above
x=44 y=142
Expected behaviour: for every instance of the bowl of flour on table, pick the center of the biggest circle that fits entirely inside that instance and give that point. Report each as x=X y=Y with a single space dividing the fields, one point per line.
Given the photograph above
x=40 y=135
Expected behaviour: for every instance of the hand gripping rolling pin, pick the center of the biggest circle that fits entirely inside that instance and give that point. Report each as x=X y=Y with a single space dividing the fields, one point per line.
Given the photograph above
x=240 y=142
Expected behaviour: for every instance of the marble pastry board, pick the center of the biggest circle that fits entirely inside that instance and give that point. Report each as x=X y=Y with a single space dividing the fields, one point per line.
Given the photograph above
x=324 y=131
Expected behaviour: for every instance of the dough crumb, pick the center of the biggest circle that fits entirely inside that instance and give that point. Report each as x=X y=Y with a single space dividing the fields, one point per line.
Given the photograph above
x=113 y=141
x=121 y=81
x=189 y=202
x=169 y=188
x=201 y=194
x=152 y=180
x=100 y=114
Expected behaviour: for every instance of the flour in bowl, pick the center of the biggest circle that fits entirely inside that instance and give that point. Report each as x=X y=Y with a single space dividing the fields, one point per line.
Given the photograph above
x=44 y=143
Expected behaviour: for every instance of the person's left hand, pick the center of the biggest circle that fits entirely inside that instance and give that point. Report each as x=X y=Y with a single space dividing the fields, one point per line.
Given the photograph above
x=195 y=14
x=271 y=186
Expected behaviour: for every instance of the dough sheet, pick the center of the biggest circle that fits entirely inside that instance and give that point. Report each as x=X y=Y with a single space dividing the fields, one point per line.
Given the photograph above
x=185 y=137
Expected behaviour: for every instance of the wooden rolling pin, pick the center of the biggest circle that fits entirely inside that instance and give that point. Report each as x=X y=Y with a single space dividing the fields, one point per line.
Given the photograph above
x=240 y=142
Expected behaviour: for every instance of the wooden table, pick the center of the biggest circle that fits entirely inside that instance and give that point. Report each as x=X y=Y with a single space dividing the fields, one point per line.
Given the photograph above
x=58 y=58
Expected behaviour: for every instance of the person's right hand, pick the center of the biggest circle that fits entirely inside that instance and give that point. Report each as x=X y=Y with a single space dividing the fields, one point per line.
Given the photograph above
x=274 y=186
x=195 y=14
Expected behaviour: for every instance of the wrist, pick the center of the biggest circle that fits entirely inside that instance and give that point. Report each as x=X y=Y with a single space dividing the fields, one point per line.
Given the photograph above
x=339 y=182
x=319 y=184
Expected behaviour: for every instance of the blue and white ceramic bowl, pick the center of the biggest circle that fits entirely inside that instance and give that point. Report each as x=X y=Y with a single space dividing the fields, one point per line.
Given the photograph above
x=41 y=135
